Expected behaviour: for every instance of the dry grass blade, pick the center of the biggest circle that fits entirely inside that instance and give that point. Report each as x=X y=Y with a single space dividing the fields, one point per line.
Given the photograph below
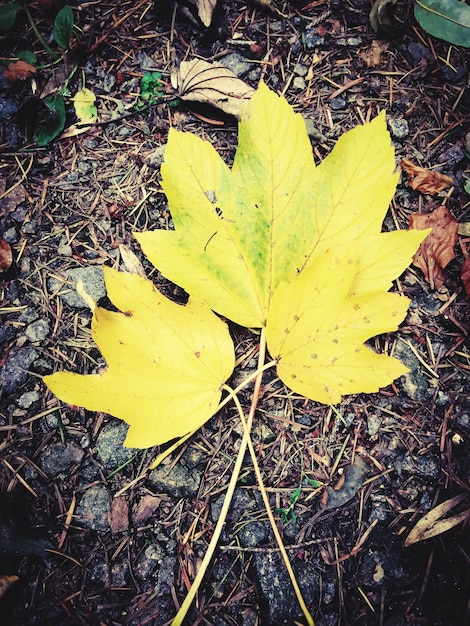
x=435 y=523
x=213 y=84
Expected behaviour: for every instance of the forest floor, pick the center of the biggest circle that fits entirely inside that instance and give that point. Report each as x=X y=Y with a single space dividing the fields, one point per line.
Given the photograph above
x=92 y=535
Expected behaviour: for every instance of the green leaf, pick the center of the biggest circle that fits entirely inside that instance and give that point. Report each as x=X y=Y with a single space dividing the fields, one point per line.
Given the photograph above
x=28 y=56
x=63 y=26
x=467 y=186
x=52 y=121
x=446 y=19
x=8 y=13
x=166 y=363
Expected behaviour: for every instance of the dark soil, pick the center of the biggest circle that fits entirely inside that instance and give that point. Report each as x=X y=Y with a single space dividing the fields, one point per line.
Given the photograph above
x=93 y=536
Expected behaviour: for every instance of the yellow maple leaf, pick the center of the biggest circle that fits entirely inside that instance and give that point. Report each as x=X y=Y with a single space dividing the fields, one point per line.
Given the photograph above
x=84 y=105
x=166 y=363
x=316 y=330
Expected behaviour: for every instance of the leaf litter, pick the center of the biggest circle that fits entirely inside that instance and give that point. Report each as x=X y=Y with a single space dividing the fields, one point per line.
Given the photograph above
x=412 y=424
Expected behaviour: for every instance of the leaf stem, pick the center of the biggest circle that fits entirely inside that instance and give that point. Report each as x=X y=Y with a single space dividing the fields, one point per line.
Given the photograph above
x=186 y=605
x=272 y=521
x=41 y=39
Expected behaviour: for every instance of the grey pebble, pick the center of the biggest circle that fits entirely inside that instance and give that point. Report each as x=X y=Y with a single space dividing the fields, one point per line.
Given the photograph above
x=15 y=370
x=28 y=398
x=57 y=458
x=38 y=330
x=93 y=283
x=398 y=127
x=110 y=450
x=412 y=464
x=94 y=508
x=179 y=481
x=11 y=235
x=298 y=84
x=237 y=63
x=452 y=156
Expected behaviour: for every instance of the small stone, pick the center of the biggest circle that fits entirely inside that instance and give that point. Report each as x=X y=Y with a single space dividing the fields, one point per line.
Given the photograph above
x=110 y=450
x=311 y=40
x=11 y=235
x=300 y=70
x=30 y=228
x=28 y=398
x=452 y=156
x=338 y=104
x=425 y=466
x=65 y=250
x=179 y=481
x=253 y=534
x=93 y=509
x=298 y=84
x=93 y=283
x=149 y=561
x=155 y=157
x=399 y=128
x=15 y=370
x=237 y=63
x=57 y=458
x=38 y=331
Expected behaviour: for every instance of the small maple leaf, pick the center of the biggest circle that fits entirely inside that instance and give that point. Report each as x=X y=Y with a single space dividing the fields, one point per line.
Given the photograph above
x=425 y=180
x=437 y=250
x=166 y=363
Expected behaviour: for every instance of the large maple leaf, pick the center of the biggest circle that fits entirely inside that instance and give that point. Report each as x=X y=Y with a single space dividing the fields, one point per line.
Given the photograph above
x=273 y=242
x=166 y=363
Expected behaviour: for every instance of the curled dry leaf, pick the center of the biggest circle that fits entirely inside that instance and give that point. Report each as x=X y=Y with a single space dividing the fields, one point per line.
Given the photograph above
x=6 y=582
x=211 y=83
x=372 y=55
x=205 y=11
x=424 y=180
x=437 y=250
x=435 y=521
x=19 y=70
x=6 y=256
x=465 y=275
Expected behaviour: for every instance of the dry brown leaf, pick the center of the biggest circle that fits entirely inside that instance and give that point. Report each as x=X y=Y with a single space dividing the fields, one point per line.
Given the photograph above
x=205 y=10
x=465 y=275
x=372 y=56
x=437 y=250
x=211 y=83
x=6 y=582
x=6 y=255
x=119 y=515
x=19 y=70
x=424 y=180
x=435 y=521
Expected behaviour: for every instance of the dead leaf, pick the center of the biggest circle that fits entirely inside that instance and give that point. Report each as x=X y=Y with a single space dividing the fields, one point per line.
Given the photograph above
x=146 y=506
x=131 y=261
x=211 y=83
x=425 y=180
x=205 y=11
x=435 y=521
x=119 y=515
x=437 y=250
x=6 y=256
x=372 y=55
x=465 y=275
x=6 y=582
x=19 y=70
